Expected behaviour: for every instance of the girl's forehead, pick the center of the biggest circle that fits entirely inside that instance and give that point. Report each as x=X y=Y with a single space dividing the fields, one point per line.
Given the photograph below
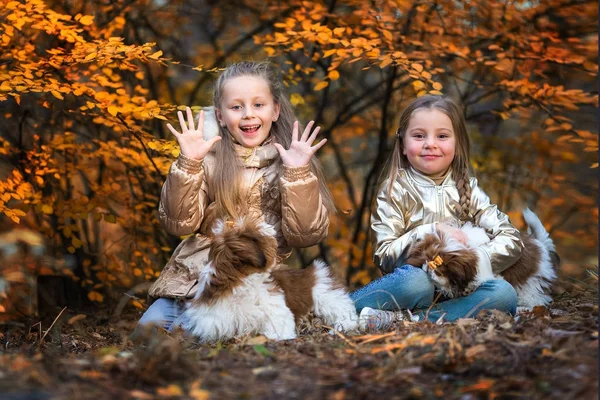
x=430 y=117
x=246 y=85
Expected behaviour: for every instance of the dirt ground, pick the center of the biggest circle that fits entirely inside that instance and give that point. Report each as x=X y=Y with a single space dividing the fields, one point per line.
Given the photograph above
x=547 y=354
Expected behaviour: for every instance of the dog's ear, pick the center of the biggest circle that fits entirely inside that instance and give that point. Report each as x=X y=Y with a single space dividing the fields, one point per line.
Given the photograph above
x=424 y=250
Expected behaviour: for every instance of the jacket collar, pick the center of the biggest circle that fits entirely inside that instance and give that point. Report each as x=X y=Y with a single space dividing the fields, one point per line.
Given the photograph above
x=424 y=180
x=257 y=157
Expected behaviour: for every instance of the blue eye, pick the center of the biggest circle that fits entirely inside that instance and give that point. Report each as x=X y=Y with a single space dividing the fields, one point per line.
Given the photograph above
x=236 y=108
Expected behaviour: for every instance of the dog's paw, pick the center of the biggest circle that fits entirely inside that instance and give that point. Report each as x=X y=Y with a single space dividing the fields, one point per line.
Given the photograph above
x=267 y=229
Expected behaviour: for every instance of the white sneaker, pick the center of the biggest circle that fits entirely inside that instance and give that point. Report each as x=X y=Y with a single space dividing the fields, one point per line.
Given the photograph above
x=372 y=319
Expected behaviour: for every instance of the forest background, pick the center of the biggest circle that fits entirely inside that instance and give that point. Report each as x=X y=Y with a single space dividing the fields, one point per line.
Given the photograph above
x=86 y=89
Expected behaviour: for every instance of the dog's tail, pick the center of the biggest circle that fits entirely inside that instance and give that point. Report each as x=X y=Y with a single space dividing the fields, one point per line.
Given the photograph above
x=536 y=229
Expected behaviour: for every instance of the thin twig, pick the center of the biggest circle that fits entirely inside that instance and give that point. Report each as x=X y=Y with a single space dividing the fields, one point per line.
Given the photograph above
x=53 y=322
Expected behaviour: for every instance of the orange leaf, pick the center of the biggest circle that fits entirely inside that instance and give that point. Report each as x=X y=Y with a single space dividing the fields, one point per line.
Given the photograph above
x=417 y=67
x=95 y=296
x=57 y=94
x=333 y=75
x=86 y=20
x=76 y=318
x=321 y=85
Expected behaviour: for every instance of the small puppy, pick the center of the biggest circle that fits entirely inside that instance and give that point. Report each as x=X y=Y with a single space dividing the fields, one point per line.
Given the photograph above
x=241 y=292
x=453 y=265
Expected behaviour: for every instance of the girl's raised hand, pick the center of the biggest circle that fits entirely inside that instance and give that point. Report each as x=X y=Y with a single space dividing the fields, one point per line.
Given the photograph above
x=191 y=139
x=301 y=150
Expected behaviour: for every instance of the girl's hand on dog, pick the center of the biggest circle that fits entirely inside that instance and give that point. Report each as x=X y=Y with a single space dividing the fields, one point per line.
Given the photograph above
x=191 y=139
x=301 y=150
x=453 y=232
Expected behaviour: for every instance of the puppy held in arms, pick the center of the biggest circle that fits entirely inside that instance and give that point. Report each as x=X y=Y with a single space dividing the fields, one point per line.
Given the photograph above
x=241 y=292
x=452 y=265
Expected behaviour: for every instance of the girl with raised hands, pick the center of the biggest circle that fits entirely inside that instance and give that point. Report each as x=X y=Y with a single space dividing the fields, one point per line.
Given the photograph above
x=247 y=158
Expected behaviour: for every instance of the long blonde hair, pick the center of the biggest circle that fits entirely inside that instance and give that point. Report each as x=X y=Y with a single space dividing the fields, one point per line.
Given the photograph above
x=461 y=164
x=226 y=179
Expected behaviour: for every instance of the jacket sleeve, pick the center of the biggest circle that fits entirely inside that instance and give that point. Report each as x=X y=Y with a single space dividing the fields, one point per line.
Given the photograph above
x=505 y=247
x=305 y=220
x=391 y=235
x=183 y=197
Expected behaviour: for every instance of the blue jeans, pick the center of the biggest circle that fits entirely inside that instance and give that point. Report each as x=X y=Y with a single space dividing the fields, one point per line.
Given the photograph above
x=411 y=288
x=165 y=313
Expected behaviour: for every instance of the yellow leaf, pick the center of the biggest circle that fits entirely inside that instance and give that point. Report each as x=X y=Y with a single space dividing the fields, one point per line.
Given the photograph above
x=57 y=94
x=90 y=56
x=156 y=55
x=329 y=53
x=47 y=209
x=418 y=85
x=86 y=20
x=321 y=85
x=296 y=99
x=437 y=86
x=160 y=117
x=112 y=110
x=110 y=218
x=95 y=296
x=333 y=75
x=386 y=61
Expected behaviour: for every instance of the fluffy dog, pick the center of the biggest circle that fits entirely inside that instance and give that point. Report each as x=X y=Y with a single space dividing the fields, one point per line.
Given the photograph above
x=453 y=265
x=243 y=291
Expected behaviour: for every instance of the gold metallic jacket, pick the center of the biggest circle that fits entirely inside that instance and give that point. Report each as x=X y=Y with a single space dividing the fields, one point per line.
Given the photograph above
x=291 y=203
x=417 y=204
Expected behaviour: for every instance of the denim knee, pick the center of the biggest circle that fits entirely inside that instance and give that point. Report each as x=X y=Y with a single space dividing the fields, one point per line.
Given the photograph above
x=502 y=295
x=162 y=312
x=420 y=289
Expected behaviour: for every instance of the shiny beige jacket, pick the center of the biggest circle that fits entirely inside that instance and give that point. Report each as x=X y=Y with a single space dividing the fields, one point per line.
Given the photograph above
x=291 y=203
x=417 y=204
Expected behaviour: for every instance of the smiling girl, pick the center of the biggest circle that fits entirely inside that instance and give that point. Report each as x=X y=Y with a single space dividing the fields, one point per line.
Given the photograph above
x=428 y=188
x=258 y=165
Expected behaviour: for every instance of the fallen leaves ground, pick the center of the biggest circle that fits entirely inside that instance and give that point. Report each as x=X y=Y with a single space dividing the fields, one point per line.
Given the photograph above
x=546 y=354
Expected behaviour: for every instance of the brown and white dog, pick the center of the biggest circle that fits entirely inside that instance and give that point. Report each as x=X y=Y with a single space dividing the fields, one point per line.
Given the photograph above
x=243 y=291
x=453 y=265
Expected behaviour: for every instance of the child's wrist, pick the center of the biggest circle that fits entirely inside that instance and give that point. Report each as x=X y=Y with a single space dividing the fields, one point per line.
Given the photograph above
x=292 y=174
x=188 y=164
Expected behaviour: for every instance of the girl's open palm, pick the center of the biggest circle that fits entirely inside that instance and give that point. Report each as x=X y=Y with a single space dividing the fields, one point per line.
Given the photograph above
x=301 y=150
x=191 y=139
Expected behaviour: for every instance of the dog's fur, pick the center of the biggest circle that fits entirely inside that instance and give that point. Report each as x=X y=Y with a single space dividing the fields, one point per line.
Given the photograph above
x=241 y=292
x=531 y=275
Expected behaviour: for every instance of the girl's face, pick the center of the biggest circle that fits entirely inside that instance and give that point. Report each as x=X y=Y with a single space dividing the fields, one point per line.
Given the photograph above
x=248 y=109
x=429 y=141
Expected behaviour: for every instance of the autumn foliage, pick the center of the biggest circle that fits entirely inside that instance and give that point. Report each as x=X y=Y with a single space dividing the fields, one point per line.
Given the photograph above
x=85 y=88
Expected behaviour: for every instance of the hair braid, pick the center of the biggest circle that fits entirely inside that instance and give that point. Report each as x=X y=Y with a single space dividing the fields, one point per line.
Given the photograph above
x=464 y=193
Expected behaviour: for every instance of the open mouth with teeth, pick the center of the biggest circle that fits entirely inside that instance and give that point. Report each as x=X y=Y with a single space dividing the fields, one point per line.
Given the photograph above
x=250 y=129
